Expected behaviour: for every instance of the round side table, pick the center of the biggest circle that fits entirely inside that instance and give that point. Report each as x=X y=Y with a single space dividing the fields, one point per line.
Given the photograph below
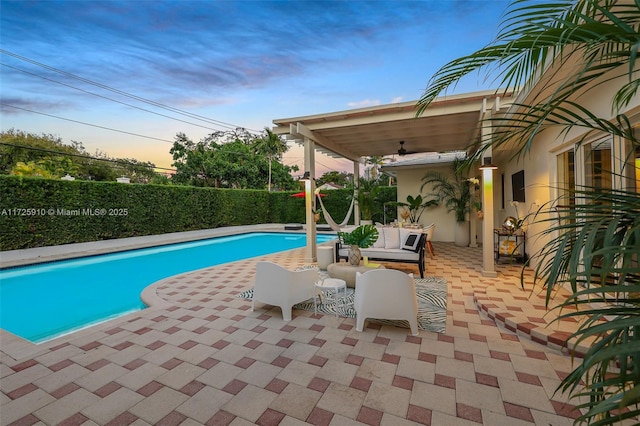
x=334 y=290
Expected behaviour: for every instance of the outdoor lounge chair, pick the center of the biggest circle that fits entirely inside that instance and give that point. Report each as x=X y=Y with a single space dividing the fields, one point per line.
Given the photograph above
x=281 y=287
x=386 y=294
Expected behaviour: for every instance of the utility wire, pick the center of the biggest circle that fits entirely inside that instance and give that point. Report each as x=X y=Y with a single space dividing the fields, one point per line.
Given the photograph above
x=49 y=151
x=107 y=128
x=86 y=124
x=120 y=92
x=107 y=98
x=103 y=159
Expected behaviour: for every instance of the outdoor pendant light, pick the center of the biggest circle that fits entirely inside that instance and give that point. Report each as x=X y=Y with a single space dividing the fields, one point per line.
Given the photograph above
x=486 y=164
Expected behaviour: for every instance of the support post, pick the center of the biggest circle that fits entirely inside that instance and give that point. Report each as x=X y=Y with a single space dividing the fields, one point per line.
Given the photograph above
x=309 y=196
x=356 y=186
x=488 y=259
x=473 y=222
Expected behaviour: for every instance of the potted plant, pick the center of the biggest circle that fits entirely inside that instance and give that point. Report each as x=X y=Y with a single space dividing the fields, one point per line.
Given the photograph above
x=364 y=236
x=477 y=205
x=457 y=196
x=415 y=206
x=367 y=193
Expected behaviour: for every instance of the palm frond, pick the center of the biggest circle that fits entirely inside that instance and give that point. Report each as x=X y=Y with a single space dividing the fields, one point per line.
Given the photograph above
x=595 y=251
x=536 y=36
x=555 y=54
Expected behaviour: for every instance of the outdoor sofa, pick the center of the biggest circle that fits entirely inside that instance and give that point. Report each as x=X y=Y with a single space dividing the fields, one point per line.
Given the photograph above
x=405 y=245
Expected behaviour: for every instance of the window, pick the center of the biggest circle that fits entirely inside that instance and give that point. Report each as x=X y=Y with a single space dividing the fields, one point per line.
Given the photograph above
x=637 y=168
x=597 y=167
x=566 y=178
x=517 y=186
x=634 y=164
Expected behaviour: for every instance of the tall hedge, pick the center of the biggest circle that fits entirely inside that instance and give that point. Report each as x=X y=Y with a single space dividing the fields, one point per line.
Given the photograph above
x=36 y=212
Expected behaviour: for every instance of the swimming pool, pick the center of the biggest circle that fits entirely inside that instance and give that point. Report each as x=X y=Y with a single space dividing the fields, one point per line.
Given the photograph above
x=43 y=301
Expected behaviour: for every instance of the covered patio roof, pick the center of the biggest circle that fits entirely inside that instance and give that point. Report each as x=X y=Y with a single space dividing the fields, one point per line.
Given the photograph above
x=450 y=123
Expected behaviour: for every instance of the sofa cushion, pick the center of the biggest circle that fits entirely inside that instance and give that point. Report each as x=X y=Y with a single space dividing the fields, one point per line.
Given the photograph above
x=391 y=238
x=381 y=254
x=380 y=241
x=391 y=254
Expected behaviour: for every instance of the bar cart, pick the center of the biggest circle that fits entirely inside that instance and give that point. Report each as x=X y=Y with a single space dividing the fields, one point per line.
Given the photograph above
x=509 y=245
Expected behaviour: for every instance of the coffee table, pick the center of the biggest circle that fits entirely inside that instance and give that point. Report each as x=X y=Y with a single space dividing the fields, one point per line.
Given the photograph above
x=347 y=272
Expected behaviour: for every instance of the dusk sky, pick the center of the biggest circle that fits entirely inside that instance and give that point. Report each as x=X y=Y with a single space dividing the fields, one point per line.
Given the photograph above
x=225 y=64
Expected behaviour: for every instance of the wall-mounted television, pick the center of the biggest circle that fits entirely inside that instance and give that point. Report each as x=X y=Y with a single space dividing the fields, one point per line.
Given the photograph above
x=517 y=186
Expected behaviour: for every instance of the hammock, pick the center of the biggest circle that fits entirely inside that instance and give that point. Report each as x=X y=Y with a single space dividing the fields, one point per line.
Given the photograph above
x=336 y=226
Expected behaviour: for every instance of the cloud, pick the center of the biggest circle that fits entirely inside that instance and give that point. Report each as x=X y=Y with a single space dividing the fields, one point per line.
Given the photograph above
x=364 y=103
x=197 y=45
x=238 y=61
x=18 y=105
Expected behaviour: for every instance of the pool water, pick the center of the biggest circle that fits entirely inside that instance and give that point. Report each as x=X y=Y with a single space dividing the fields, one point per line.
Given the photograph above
x=44 y=301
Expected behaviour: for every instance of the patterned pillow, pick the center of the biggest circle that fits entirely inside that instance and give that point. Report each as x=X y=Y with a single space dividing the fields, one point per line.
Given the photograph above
x=410 y=239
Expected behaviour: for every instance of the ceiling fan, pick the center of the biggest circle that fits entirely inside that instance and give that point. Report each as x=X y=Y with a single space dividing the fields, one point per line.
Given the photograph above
x=402 y=151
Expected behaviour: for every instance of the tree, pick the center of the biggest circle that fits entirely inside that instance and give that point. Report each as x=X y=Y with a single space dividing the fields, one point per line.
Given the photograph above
x=98 y=167
x=272 y=146
x=594 y=248
x=455 y=193
x=47 y=156
x=219 y=160
x=138 y=171
x=368 y=191
x=31 y=168
x=342 y=179
x=46 y=151
x=376 y=161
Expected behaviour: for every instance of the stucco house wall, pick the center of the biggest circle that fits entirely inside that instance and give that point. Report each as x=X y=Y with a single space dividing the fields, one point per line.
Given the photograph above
x=409 y=183
x=540 y=165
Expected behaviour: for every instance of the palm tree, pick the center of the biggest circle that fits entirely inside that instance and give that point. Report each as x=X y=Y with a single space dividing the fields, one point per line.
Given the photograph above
x=272 y=146
x=579 y=46
x=376 y=162
x=455 y=194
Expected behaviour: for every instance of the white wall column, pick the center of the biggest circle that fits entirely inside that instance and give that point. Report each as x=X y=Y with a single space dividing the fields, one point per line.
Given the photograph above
x=488 y=256
x=310 y=199
x=473 y=222
x=356 y=186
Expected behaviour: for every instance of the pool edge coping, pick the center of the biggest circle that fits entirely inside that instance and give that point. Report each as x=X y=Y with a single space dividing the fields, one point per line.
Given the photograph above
x=24 y=257
x=18 y=347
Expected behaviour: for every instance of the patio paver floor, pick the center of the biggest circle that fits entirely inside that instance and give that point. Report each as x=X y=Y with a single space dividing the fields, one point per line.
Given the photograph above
x=204 y=358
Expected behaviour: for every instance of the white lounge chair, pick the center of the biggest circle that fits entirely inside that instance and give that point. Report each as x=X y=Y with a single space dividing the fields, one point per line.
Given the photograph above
x=281 y=287
x=386 y=294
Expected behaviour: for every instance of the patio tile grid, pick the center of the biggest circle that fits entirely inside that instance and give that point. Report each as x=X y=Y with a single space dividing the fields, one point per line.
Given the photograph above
x=205 y=358
x=522 y=309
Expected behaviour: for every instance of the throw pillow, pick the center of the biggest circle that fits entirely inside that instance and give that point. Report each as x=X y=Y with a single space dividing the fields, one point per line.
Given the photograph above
x=410 y=240
x=391 y=238
x=380 y=241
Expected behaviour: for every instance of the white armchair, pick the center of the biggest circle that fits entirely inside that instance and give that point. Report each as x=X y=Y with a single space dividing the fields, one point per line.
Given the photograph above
x=281 y=287
x=386 y=294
